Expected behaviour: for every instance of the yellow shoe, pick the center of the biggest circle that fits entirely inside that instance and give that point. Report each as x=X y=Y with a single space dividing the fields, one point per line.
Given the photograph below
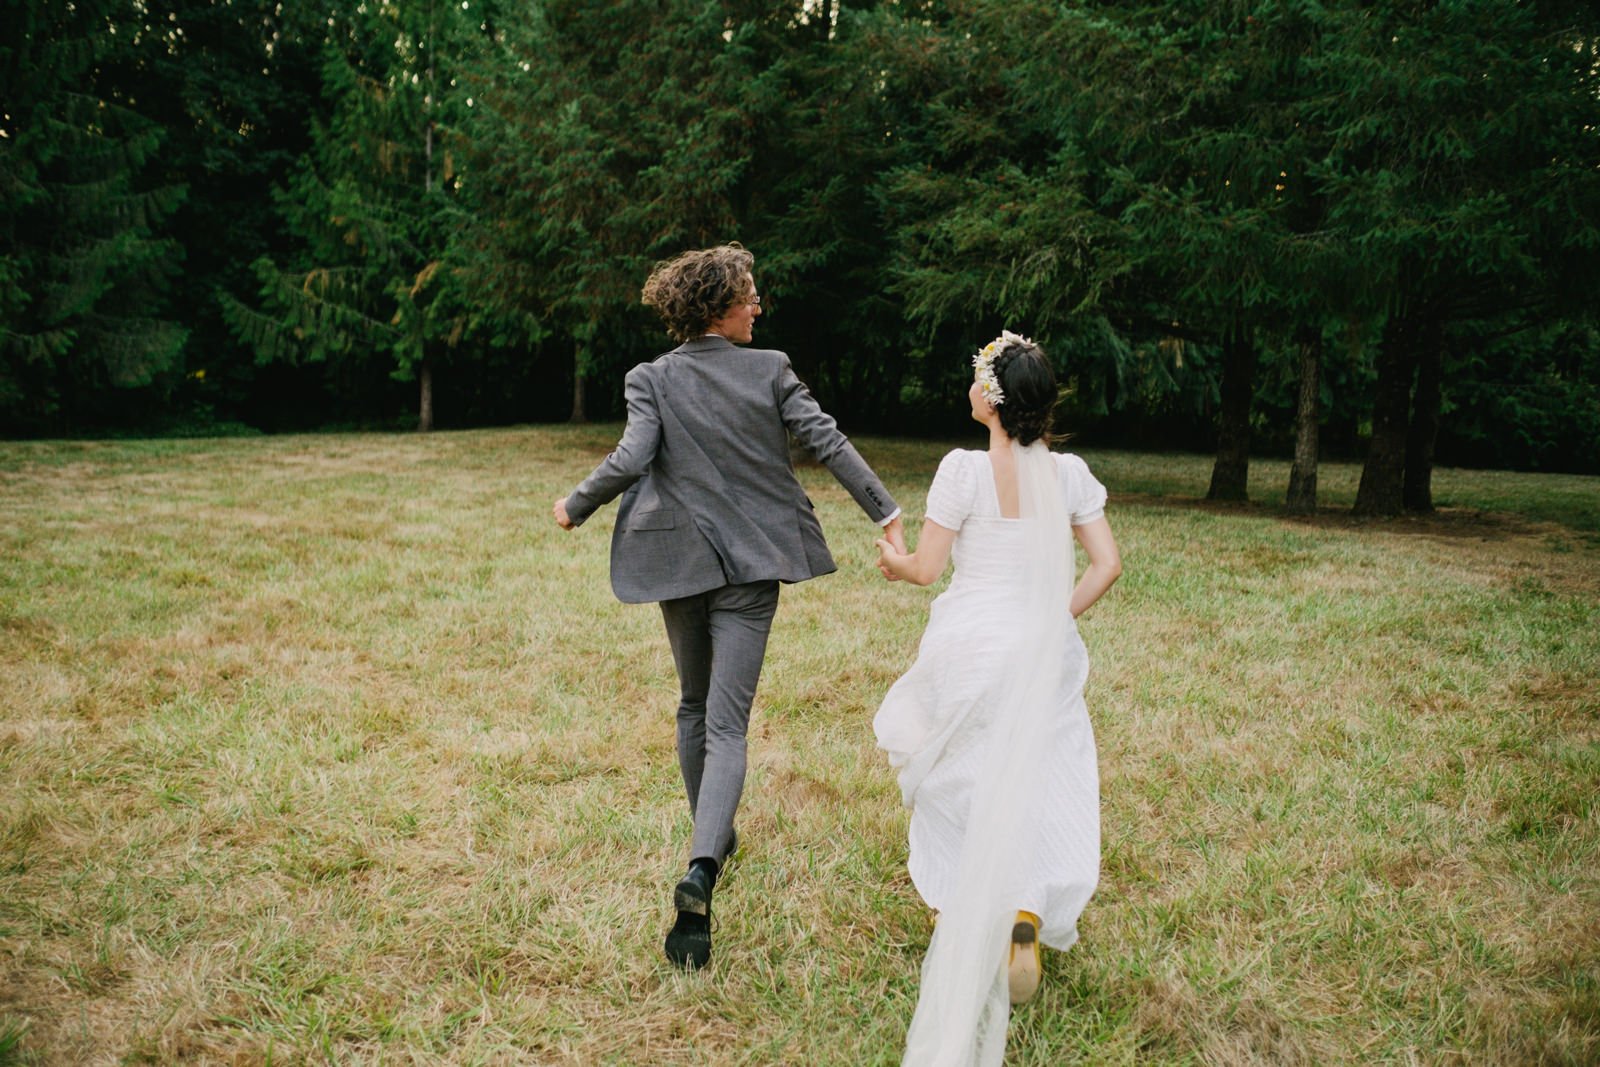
x=1024 y=967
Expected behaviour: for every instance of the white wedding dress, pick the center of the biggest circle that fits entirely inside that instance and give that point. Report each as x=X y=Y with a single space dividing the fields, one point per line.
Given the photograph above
x=991 y=741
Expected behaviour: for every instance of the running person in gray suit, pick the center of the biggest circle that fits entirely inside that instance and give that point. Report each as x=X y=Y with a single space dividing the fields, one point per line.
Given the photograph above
x=712 y=519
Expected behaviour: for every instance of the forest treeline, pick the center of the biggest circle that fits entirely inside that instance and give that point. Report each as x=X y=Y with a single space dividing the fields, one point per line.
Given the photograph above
x=1360 y=229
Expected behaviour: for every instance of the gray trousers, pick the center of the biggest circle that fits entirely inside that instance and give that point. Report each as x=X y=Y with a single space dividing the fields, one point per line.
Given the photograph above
x=719 y=639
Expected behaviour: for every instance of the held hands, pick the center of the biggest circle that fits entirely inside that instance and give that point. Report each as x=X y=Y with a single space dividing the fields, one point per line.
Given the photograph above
x=887 y=559
x=892 y=549
x=895 y=533
x=560 y=513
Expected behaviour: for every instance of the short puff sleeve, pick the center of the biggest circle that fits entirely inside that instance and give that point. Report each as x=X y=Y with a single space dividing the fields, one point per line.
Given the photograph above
x=1086 y=497
x=954 y=488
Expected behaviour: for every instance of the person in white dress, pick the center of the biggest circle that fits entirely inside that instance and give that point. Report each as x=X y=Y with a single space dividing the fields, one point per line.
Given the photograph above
x=987 y=731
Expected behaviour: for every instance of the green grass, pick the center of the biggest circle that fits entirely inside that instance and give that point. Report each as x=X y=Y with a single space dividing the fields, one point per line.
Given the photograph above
x=335 y=749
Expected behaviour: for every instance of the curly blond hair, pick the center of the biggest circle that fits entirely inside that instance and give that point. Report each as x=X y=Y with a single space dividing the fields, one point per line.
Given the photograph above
x=695 y=289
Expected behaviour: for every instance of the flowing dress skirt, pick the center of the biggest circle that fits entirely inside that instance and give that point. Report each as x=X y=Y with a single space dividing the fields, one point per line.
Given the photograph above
x=937 y=718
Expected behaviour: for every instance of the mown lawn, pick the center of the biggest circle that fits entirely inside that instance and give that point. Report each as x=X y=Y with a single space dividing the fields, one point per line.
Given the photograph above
x=335 y=749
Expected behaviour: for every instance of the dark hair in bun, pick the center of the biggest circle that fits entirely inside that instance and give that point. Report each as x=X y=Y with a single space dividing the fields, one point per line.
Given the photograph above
x=1029 y=386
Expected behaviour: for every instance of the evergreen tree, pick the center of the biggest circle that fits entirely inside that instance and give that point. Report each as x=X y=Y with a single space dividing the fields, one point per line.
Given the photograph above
x=833 y=119
x=377 y=283
x=232 y=85
x=1121 y=176
x=1250 y=179
x=620 y=135
x=84 y=267
x=1467 y=170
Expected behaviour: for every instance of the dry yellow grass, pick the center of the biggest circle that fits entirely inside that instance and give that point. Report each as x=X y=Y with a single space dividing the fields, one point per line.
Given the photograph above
x=335 y=749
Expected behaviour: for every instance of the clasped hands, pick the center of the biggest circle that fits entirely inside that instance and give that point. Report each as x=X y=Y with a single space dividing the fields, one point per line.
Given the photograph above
x=893 y=540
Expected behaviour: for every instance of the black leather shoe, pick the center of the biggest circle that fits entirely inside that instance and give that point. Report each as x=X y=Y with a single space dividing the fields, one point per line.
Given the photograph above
x=689 y=940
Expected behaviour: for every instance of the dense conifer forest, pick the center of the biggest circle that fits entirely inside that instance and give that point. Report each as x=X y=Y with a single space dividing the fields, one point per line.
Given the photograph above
x=1312 y=229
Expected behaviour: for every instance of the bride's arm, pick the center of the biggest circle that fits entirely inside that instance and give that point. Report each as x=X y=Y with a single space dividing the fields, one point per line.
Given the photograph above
x=923 y=566
x=1105 y=564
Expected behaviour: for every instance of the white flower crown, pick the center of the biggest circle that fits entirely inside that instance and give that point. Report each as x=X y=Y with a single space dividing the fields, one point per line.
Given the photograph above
x=984 y=363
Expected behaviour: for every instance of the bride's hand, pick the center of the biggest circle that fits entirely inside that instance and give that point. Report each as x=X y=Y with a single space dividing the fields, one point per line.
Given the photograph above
x=885 y=550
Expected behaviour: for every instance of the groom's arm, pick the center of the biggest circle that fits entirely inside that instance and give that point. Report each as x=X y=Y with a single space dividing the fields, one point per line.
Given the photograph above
x=626 y=463
x=819 y=434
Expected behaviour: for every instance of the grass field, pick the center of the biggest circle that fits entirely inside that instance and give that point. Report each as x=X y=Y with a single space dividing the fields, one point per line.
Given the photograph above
x=335 y=749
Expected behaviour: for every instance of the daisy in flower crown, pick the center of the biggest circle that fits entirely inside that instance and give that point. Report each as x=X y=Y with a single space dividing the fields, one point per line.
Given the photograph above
x=983 y=365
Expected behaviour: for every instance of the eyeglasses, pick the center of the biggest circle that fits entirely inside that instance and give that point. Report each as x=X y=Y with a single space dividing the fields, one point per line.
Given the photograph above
x=756 y=300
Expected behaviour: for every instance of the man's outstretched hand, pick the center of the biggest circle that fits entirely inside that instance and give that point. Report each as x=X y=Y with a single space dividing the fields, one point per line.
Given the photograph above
x=560 y=512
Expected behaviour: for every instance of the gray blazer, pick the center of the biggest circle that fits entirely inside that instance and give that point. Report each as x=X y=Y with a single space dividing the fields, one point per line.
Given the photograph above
x=709 y=497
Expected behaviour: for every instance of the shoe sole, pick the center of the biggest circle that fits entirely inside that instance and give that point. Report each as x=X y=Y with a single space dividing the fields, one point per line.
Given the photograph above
x=687 y=897
x=1023 y=972
x=689 y=941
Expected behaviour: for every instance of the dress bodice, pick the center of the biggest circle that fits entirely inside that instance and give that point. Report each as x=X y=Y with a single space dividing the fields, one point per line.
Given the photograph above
x=988 y=552
x=988 y=547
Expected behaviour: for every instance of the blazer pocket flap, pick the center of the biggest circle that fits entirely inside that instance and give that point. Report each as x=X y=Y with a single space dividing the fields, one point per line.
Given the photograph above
x=659 y=519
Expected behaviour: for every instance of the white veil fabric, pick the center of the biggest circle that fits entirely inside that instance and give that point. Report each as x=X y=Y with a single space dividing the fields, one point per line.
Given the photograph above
x=963 y=1008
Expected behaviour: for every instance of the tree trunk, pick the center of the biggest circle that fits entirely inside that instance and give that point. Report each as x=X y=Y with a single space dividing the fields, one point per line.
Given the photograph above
x=1302 y=496
x=578 y=384
x=425 y=369
x=1384 y=470
x=425 y=395
x=1230 y=475
x=1424 y=430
